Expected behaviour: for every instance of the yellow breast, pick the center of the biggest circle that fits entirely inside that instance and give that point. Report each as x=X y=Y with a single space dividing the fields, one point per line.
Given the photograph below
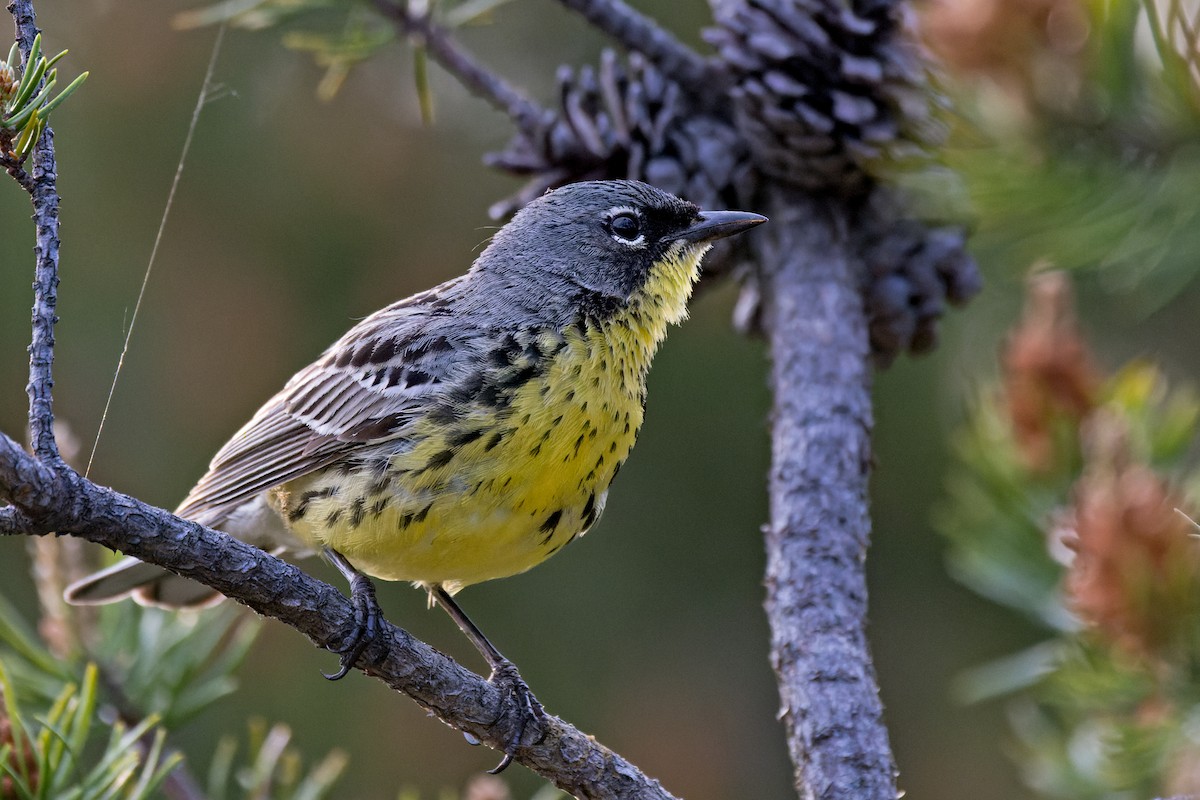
x=507 y=483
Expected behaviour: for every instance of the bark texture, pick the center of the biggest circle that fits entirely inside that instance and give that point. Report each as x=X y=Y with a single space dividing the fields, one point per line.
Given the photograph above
x=817 y=537
x=43 y=190
x=58 y=499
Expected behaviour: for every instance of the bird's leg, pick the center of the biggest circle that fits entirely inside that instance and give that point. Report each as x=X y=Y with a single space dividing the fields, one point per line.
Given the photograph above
x=367 y=614
x=504 y=675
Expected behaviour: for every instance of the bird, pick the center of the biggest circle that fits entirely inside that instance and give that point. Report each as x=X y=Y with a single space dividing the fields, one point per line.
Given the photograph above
x=468 y=432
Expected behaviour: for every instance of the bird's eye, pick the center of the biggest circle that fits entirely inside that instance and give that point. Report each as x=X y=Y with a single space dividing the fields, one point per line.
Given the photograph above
x=625 y=226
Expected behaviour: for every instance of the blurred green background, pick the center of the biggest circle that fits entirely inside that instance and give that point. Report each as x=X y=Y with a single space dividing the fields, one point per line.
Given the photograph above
x=295 y=217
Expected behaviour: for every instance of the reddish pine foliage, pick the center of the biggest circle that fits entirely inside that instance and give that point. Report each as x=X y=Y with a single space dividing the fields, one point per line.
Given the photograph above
x=1030 y=49
x=1135 y=563
x=1050 y=377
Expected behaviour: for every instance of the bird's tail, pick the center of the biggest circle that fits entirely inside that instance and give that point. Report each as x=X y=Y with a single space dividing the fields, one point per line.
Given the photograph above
x=147 y=584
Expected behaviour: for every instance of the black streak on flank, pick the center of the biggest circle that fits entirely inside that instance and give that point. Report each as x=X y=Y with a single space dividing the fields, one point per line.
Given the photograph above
x=589 y=511
x=357 y=512
x=495 y=440
x=411 y=517
x=441 y=459
x=550 y=524
x=464 y=438
x=492 y=396
x=302 y=507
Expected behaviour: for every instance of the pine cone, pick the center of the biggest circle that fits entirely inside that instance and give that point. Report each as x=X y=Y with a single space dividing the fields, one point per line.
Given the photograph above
x=628 y=121
x=823 y=88
x=912 y=272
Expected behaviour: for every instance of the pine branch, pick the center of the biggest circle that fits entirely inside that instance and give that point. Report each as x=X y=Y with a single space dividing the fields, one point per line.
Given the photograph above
x=635 y=31
x=816 y=542
x=460 y=63
x=44 y=193
x=16 y=169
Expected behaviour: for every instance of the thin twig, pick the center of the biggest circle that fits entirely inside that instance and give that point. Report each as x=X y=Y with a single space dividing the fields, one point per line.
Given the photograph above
x=527 y=115
x=635 y=31
x=44 y=193
x=16 y=169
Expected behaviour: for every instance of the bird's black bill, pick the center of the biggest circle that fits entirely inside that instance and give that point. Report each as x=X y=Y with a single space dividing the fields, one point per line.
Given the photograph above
x=719 y=224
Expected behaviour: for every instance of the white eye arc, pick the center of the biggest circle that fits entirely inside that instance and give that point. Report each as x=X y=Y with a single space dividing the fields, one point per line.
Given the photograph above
x=624 y=225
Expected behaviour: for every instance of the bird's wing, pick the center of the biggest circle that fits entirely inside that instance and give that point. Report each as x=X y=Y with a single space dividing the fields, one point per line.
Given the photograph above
x=365 y=389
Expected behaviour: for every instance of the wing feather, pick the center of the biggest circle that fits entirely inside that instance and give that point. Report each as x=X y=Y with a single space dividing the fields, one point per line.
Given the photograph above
x=365 y=389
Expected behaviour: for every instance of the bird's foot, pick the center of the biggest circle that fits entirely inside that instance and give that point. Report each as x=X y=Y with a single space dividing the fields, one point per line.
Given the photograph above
x=525 y=706
x=368 y=618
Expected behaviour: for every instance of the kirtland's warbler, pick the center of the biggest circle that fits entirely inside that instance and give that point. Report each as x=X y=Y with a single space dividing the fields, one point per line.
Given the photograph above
x=467 y=432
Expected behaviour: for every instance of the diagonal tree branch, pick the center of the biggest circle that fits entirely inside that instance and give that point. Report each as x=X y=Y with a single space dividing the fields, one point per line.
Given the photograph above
x=635 y=31
x=526 y=114
x=58 y=499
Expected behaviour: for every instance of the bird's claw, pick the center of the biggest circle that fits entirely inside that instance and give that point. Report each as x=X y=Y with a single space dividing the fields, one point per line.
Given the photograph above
x=368 y=626
x=527 y=708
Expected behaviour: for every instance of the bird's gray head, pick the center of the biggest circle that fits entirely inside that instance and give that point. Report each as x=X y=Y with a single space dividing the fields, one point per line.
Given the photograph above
x=596 y=245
